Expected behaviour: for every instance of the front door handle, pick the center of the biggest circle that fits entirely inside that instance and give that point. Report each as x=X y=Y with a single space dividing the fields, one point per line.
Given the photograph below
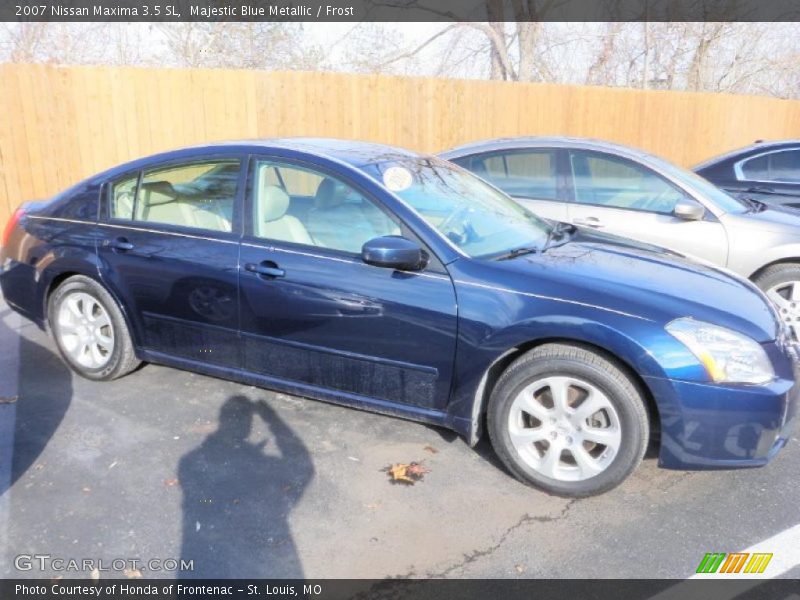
x=589 y=222
x=265 y=269
x=121 y=244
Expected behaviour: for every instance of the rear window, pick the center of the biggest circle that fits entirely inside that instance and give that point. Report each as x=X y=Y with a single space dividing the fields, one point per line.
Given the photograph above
x=521 y=173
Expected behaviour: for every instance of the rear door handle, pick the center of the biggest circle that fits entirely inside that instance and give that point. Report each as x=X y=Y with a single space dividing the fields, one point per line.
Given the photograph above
x=265 y=269
x=121 y=244
x=589 y=222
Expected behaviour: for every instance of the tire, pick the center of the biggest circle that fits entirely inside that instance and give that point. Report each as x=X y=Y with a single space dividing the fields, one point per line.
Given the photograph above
x=777 y=282
x=531 y=386
x=83 y=317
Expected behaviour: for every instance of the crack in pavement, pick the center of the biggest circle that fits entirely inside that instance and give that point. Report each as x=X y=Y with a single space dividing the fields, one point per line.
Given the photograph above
x=475 y=555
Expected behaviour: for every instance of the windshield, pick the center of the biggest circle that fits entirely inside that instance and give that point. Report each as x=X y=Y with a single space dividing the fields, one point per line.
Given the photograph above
x=478 y=219
x=693 y=181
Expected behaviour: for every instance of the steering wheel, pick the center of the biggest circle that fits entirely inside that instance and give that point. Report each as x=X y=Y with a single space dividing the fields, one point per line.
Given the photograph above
x=453 y=233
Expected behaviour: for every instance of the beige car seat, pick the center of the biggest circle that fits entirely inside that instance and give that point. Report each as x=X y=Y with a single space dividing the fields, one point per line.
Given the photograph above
x=271 y=220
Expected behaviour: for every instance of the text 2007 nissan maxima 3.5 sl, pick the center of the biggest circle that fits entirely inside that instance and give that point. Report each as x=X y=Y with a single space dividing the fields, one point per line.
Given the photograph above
x=371 y=276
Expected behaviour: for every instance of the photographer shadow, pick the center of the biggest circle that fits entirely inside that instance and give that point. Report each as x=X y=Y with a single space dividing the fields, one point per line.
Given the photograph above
x=238 y=494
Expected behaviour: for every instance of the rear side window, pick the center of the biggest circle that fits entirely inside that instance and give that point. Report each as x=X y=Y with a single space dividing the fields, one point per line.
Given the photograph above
x=781 y=166
x=199 y=195
x=525 y=174
x=123 y=194
x=605 y=180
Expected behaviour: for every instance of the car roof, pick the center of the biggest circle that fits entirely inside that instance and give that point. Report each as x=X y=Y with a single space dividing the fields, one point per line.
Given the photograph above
x=754 y=148
x=354 y=153
x=507 y=143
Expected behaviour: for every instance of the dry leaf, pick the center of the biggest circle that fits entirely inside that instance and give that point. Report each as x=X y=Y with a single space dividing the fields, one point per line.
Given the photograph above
x=519 y=568
x=430 y=449
x=416 y=470
x=406 y=473
x=170 y=482
x=132 y=573
x=399 y=472
x=95 y=574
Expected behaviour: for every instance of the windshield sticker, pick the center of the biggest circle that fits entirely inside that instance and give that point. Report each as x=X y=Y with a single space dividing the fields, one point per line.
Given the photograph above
x=397 y=179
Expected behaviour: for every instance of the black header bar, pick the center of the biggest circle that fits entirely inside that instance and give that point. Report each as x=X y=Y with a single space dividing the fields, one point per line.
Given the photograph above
x=397 y=10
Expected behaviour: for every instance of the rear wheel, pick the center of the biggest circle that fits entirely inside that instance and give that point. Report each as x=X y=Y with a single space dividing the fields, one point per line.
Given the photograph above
x=568 y=420
x=90 y=331
x=781 y=284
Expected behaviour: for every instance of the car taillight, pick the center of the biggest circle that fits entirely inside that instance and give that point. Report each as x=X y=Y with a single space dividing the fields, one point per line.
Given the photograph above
x=12 y=222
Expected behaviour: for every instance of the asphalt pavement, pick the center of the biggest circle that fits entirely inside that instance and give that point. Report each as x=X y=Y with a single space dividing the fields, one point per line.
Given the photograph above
x=240 y=481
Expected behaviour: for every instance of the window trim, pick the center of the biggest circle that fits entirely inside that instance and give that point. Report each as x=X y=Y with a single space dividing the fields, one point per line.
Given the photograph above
x=251 y=240
x=155 y=226
x=738 y=167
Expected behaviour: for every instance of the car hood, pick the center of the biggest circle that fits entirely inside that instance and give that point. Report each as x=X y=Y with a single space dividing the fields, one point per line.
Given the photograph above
x=772 y=218
x=643 y=280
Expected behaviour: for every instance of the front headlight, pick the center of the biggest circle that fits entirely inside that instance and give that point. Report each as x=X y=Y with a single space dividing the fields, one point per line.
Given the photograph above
x=727 y=356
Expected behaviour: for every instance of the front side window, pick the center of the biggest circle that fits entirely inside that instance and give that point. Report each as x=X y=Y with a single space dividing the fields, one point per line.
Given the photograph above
x=303 y=206
x=778 y=167
x=199 y=195
x=605 y=180
x=475 y=217
x=521 y=173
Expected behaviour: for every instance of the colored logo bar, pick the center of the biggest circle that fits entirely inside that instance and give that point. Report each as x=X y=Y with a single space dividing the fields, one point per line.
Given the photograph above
x=736 y=562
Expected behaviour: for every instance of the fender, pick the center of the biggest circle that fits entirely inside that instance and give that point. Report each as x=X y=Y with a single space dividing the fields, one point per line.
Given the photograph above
x=778 y=254
x=75 y=260
x=57 y=261
x=475 y=385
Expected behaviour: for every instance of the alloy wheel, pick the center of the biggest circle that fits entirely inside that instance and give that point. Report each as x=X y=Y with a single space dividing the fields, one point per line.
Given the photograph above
x=786 y=298
x=565 y=428
x=85 y=330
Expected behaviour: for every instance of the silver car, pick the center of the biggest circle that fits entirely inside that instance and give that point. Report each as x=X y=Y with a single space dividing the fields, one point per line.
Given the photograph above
x=628 y=192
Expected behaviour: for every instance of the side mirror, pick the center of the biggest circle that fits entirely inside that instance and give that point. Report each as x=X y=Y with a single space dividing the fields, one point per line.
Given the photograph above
x=689 y=210
x=393 y=252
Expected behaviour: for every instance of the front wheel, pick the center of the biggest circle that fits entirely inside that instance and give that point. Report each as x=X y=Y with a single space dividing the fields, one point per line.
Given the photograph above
x=89 y=330
x=781 y=284
x=568 y=420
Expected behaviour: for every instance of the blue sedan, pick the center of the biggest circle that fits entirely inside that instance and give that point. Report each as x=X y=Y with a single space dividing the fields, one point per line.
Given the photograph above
x=374 y=277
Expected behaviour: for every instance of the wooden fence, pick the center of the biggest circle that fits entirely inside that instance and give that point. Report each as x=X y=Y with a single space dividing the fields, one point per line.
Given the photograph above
x=59 y=125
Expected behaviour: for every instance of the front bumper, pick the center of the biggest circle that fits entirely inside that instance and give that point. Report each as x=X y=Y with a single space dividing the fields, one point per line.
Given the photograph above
x=713 y=426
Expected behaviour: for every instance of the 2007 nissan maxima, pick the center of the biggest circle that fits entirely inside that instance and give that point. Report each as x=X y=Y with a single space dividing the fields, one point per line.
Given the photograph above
x=377 y=278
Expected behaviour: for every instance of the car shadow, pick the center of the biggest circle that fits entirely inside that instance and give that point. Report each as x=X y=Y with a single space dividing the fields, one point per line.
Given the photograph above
x=44 y=394
x=238 y=495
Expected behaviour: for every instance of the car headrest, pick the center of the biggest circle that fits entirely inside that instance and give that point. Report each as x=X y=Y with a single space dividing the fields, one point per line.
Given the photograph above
x=479 y=168
x=159 y=192
x=330 y=193
x=274 y=203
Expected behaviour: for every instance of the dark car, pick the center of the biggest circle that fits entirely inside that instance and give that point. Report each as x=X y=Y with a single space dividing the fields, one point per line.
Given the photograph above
x=377 y=278
x=765 y=171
